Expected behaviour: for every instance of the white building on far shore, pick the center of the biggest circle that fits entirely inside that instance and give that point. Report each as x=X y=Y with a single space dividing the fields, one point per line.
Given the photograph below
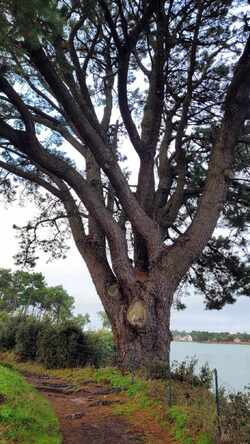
x=186 y=338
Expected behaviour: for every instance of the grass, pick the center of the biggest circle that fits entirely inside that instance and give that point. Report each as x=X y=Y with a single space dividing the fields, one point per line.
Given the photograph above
x=25 y=416
x=187 y=412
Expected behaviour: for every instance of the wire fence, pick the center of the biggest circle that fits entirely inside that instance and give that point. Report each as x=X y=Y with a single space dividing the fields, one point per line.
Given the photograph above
x=232 y=408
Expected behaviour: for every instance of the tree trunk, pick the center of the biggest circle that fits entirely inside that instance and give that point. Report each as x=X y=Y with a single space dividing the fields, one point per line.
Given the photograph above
x=139 y=313
x=141 y=329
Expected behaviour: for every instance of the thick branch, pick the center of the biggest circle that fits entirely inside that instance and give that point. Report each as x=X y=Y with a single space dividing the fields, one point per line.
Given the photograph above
x=86 y=193
x=19 y=105
x=102 y=153
x=81 y=71
x=108 y=87
x=123 y=101
x=152 y=116
x=190 y=245
x=59 y=127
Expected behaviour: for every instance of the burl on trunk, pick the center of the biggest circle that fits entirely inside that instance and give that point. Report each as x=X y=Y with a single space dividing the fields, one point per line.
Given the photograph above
x=141 y=326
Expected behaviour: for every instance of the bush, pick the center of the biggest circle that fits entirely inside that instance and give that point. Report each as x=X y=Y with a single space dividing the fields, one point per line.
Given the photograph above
x=48 y=347
x=26 y=338
x=184 y=371
x=8 y=330
x=206 y=376
x=101 y=348
x=235 y=417
x=62 y=347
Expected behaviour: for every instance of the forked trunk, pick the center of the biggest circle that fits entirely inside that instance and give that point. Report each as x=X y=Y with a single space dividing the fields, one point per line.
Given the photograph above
x=141 y=329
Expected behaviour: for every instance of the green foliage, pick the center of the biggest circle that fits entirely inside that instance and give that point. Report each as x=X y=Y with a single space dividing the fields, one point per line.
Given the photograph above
x=56 y=345
x=206 y=375
x=32 y=20
x=81 y=320
x=180 y=418
x=48 y=348
x=180 y=421
x=4 y=316
x=8 y=330
x=19 y=290
x=235 y=416
x=184 y=371
x=221 y=273
x=26 y=338
x=25 y=416
x=64 y=346
x=24 y=293
x=101 y=346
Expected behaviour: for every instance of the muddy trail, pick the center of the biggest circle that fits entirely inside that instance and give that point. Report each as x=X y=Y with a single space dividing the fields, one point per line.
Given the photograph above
x=86 y=415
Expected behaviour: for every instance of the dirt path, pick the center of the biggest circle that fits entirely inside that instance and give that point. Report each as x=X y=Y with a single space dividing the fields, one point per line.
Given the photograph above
x=86 y=416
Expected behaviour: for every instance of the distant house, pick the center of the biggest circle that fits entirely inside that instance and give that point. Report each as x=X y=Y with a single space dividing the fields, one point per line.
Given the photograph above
x=237 y=340
x=186 y=338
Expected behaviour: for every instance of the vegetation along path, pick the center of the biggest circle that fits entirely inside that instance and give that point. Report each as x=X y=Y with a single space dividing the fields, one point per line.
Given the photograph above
x=86 y=415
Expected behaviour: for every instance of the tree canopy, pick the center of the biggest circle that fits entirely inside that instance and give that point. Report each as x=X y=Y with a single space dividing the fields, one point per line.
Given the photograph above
x=27 y=293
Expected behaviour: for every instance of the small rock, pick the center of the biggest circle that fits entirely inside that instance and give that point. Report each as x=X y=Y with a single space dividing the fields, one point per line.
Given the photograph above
x=75 y=415
x=104 y=402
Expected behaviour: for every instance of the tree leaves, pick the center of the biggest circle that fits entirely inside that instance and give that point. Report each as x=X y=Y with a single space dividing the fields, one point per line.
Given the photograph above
x=27 y=293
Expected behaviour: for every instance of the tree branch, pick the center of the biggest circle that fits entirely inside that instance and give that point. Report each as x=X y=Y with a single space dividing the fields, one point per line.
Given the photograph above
x=190 y=245
x=102 y=153
x=32 y=177
x=86 y=193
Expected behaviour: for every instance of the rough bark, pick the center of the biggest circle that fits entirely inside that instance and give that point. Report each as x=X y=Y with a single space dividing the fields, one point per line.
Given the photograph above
x=141 y=326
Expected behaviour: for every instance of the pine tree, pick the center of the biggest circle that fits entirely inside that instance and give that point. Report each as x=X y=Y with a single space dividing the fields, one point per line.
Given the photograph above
x=84 y=82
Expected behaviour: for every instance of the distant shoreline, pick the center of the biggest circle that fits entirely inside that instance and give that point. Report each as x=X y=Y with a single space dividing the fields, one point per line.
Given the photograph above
x=214 y=342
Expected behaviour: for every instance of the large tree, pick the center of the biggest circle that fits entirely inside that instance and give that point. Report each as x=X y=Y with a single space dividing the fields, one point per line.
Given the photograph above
x=83 y=83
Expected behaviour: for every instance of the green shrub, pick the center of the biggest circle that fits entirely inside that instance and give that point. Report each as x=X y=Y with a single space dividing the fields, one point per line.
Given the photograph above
x=48 y=347
x=184 y=371
x=101 y=348
x=235 y=417
x=26 y=338
x=179 y=416
x=206 y=376
x=8 y=329
x=62 y=347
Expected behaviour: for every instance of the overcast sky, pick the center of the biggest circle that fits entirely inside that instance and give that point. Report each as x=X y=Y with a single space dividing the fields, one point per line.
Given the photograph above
x=73 y=275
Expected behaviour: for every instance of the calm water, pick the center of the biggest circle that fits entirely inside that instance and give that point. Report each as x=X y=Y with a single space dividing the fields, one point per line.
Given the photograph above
x=232 y=361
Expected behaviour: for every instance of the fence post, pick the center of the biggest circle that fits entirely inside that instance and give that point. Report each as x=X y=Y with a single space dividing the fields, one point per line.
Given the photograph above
x=169 y=394
x=217 y=398
x=132 y=368
x=169 y=397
